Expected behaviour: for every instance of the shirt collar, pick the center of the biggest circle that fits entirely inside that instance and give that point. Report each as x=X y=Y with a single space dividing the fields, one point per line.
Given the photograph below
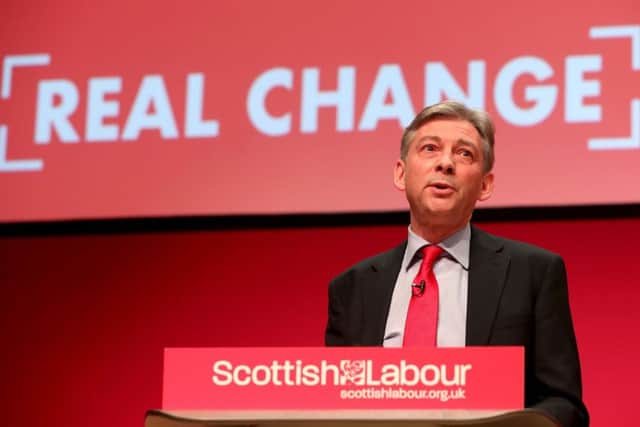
x=456 y=246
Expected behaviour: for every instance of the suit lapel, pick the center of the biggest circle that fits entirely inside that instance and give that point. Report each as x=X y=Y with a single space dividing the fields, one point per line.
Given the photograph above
x=381 y=279
x=488 y=266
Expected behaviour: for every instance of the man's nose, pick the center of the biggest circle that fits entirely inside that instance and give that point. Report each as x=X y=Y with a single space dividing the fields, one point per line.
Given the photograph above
x=446 y=164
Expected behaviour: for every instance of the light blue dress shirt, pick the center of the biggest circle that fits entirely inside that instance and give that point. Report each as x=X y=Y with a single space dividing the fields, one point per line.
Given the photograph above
x=452 y=273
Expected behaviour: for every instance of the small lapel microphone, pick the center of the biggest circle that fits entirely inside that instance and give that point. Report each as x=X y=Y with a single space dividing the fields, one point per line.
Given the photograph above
x=417 y=289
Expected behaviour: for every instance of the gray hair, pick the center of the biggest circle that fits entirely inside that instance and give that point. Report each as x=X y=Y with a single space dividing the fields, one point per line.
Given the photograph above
x=454 y=110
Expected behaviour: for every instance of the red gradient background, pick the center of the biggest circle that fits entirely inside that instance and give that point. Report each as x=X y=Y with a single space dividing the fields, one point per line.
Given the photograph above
x=85 y=319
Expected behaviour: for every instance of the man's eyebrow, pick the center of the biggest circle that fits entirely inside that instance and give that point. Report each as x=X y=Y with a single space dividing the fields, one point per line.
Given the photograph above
x=430 y=138
x=466 y=142
x=436 y=138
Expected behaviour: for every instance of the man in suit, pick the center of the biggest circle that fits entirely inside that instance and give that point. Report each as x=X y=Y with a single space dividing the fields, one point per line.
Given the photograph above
x=488 y=290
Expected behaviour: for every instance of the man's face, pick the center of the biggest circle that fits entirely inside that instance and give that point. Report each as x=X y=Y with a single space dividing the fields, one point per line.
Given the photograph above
x=442 y=175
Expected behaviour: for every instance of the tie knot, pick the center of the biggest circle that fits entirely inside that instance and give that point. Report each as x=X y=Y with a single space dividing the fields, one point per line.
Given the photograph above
x=430 y=254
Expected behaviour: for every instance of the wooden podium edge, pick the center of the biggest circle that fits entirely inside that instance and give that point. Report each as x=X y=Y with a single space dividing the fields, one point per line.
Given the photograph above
x=349 y=418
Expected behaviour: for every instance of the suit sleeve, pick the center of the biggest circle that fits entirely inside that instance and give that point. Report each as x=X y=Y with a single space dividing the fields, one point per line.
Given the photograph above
x=557 y=379
x=335 y=332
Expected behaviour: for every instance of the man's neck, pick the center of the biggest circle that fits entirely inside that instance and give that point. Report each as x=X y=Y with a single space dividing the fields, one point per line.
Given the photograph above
x=435 y=233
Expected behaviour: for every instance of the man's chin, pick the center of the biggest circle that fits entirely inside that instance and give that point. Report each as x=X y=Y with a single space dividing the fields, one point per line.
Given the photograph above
x=444 y=214
x=442 y=209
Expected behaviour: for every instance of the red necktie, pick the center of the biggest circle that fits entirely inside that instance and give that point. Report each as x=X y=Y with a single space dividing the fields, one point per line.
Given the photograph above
x=421 y=326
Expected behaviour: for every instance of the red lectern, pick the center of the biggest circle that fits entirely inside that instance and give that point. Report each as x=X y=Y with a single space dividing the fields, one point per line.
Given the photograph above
x=344 y=387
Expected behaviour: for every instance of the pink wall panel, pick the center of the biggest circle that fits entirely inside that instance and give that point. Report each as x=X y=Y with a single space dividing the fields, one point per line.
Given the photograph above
x=85 y=318
x=299 y=108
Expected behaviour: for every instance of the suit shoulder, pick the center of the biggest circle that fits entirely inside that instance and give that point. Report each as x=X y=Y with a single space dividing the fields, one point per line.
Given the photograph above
x=515 y=247
x=375 y=262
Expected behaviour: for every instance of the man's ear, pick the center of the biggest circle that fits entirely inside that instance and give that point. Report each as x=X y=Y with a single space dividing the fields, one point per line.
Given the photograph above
x=487 y=187
x=398 y=175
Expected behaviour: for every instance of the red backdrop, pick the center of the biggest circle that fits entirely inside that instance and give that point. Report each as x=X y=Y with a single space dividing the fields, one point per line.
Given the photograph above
x=85 y=318
x=99 y=98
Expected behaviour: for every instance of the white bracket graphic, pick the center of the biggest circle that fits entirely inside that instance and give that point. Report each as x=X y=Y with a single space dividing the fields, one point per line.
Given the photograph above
x=15 y=165
x=633 y=141
x=10 y=62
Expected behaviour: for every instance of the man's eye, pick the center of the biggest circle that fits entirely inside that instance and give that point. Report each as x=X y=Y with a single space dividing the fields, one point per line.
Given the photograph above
x=466 y=153
x=429 y=147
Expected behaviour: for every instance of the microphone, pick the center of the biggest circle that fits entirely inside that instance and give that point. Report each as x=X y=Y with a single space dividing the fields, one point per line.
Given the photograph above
x=417 y=289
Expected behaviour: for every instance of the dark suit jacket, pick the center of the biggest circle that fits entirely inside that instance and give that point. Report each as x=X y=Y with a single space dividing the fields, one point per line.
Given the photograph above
x=517 y=296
